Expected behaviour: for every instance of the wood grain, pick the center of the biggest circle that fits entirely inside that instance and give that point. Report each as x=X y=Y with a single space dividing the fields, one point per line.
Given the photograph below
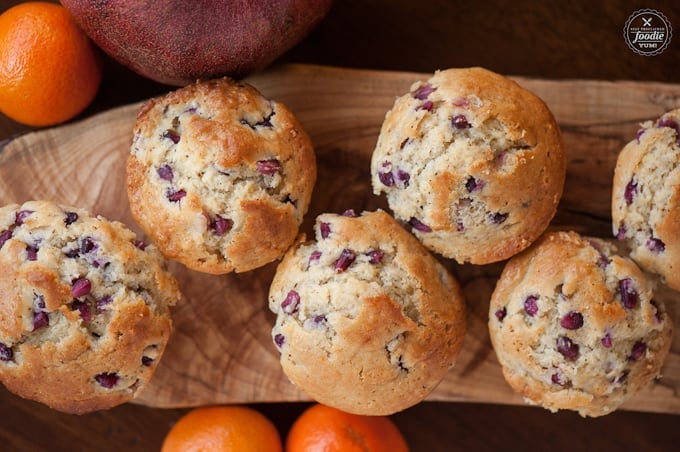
x=221 y=350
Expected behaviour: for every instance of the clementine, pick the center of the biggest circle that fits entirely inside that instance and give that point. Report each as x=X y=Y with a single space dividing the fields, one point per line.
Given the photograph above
x=321 y=428
x=223 y=428
x=49 y=69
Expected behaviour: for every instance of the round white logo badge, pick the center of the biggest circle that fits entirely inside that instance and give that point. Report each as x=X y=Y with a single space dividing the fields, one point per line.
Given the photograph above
x=647 y=32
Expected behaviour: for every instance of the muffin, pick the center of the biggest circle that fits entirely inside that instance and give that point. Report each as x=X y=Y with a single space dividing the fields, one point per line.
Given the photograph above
x=219 y=177
x=473 y=162
x=84 y=307
x=368 y=321
x=646 y=197
x=575 y=325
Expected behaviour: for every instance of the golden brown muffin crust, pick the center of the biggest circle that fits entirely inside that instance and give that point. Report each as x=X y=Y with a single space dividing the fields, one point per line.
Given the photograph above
x=384 y=328
x=218 y=151
x=475 y=159
x=84 y=311
x=575 y=325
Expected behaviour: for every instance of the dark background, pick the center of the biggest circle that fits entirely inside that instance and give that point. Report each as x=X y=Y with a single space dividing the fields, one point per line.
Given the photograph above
x=577 y=39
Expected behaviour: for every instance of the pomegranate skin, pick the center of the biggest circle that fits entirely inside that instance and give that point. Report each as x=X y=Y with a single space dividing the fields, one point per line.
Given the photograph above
x=177 y=42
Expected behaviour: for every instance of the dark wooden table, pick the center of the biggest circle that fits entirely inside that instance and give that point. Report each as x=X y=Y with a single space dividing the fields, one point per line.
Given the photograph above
x=557 y=40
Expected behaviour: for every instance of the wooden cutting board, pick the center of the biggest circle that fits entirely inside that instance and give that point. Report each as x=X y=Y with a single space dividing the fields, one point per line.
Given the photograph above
x=221 y=350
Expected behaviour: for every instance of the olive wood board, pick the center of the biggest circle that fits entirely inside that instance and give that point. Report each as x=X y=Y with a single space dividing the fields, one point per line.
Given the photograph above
x=221 y=350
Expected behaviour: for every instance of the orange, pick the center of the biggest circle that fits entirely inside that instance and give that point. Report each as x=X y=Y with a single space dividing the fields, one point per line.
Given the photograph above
x=223 y=428
x=321 y=428
x=49 y=69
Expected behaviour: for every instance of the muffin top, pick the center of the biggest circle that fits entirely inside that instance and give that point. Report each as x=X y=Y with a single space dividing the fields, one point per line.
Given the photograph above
x=84 y=307
x=219 y=177
x=575 y=325
x=473 y=162
x=646 y=197
x=368 y=309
